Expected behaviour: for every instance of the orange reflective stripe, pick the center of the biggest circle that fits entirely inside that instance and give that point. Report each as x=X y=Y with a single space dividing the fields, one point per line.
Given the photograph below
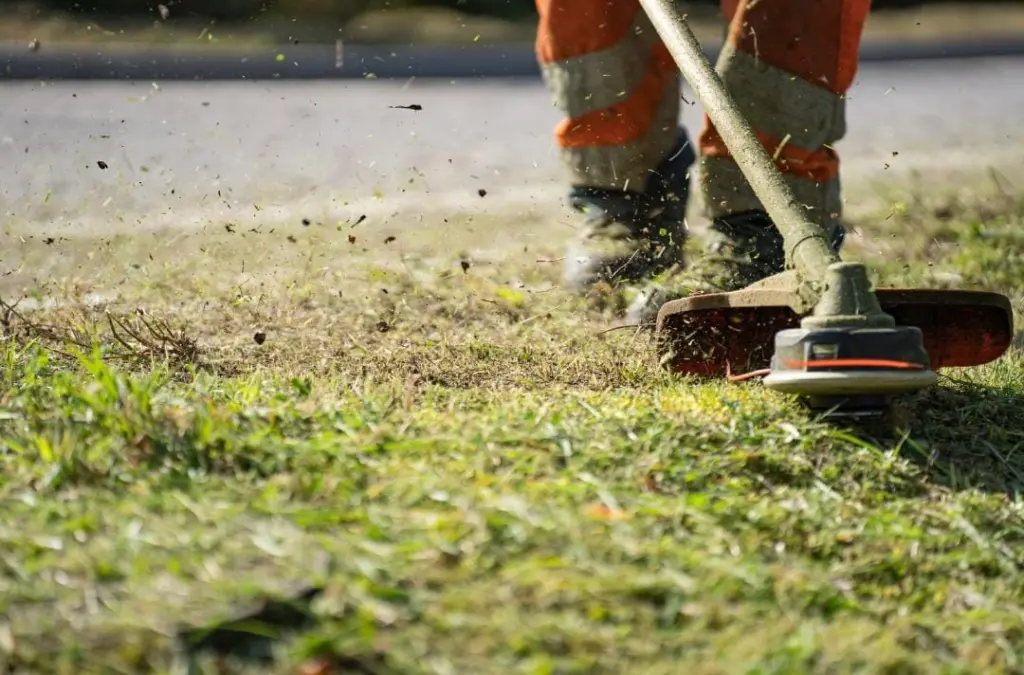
x=624 y=122
x=821 y=165
x=571 y=28
x=855 y=15
x=816 y=40
x=729 y=8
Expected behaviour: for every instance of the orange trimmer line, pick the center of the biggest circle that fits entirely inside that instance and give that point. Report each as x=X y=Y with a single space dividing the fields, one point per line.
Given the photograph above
x=855 y=363
x=827 y=363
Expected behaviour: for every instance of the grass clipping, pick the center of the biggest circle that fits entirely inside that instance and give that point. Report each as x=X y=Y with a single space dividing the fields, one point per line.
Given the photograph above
x=328 y=466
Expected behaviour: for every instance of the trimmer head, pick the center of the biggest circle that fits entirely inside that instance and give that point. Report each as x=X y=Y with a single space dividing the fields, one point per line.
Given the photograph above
x=848 y=369
x=841 y=344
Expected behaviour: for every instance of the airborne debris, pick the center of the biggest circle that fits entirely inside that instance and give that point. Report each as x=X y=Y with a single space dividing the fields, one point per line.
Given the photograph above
x=482 y=192
x=351 y=239
x=390 y=239
x=260 y=337
x=306 y=222
x=465 y=266
x=101 y=164
x=359 y=220
x=414 y=106
x=164 y=12
x=33 y=46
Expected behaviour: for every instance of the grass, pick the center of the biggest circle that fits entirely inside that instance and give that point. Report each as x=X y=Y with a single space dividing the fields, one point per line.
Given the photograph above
x=276 y=451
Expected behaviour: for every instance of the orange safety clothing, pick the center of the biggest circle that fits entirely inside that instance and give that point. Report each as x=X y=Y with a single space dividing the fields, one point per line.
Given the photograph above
x=787 y=63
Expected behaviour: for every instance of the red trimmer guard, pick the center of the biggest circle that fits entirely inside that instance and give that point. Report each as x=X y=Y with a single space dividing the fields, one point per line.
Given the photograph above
x=711 y=334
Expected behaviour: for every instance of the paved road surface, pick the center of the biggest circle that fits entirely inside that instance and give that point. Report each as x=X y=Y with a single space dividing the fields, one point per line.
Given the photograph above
x=316 y=61
x=182 y=153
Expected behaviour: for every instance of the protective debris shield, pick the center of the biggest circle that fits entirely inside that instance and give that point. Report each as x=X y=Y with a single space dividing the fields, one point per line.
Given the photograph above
x=721 y=333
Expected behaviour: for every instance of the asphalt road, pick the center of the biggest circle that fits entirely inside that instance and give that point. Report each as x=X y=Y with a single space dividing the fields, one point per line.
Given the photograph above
x=104 y=155
x=318 y=61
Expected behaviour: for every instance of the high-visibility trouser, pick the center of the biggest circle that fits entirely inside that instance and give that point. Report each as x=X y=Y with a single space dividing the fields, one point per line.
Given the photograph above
x=787 y=63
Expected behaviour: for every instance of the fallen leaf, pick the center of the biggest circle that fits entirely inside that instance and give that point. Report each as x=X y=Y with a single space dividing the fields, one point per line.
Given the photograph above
x=603 y=512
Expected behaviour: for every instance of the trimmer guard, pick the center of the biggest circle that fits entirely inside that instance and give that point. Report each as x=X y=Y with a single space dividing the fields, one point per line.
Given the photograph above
x=714 y=334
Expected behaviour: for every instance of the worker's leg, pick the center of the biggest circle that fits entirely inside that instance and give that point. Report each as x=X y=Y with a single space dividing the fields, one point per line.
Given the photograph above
x=788 y=65
x=620 y=143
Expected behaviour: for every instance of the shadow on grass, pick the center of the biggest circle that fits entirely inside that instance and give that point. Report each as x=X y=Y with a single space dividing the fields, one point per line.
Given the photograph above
x=253 y=637
x=963 y=435
x=252 y=633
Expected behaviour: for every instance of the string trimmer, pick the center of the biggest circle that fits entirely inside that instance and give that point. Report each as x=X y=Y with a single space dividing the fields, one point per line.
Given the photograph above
x=818 y=330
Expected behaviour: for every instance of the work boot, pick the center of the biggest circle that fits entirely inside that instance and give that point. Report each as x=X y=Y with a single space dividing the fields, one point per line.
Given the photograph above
x=632 y=236
x=741 y=249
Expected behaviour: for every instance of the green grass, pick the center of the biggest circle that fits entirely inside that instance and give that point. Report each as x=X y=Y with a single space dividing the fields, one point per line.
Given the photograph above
x=465 y=475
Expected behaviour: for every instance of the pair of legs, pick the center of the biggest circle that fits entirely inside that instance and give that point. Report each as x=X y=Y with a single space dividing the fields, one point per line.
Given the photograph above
x=787 y=63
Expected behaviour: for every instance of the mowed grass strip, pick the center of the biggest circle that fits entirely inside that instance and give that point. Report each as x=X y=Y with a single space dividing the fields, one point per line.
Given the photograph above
x=466 y=475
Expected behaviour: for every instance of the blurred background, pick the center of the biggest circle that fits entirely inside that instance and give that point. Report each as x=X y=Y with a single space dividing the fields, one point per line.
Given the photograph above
x=163 y=93
x=213 y=22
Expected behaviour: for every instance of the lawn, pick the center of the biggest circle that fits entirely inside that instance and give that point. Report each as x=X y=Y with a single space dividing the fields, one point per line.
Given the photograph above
x=309 y=450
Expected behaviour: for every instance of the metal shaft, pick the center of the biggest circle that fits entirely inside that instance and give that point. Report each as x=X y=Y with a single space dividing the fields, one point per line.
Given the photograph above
x=807 y=246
